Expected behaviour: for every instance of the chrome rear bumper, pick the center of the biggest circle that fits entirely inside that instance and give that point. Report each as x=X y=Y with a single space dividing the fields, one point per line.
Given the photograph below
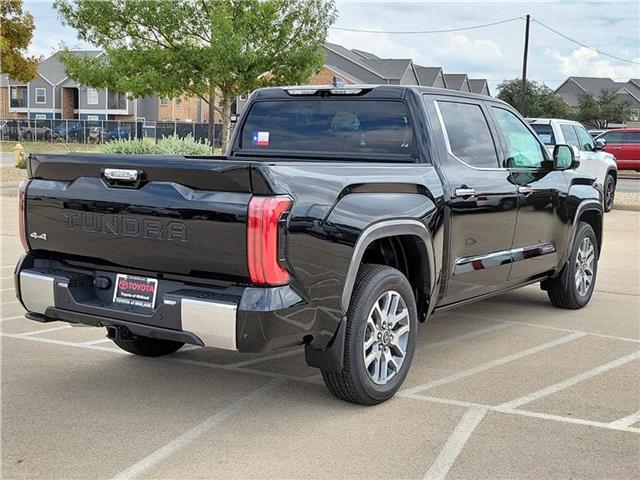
x=211 y=321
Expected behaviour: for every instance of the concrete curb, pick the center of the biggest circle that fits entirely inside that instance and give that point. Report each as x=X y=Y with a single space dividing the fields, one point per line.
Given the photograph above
x=633 y=208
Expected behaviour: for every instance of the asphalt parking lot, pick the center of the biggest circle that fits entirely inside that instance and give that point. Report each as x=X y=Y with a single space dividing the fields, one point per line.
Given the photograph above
x=506 y=388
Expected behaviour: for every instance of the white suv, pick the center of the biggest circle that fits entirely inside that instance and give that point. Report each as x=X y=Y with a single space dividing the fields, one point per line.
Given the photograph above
x=593 y=159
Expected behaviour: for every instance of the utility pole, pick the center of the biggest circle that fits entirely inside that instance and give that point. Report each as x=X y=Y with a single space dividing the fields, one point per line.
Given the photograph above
x=523 y=100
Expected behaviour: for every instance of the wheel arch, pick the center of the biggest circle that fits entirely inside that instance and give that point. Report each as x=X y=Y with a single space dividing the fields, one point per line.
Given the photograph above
x=411 y=246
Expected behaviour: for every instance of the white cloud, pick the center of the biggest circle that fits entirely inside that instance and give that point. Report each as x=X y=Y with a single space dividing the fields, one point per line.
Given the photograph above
x=588 y=63
x=459 y=47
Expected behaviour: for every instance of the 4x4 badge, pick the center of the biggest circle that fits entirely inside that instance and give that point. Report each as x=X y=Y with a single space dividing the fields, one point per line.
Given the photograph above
x=42 y=236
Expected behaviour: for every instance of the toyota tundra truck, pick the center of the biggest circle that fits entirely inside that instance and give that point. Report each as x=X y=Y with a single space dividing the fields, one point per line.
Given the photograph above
x=341 y=218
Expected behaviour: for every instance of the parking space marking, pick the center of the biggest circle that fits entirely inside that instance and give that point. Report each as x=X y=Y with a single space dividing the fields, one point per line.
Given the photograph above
x=12 y=318
x=314 y=378
x=464 y=336
x=274 y=356
x=13 y=302
x=44 y=330
x=196 y=432
x=494 y=363
x=7 y=277
x=96 y=342
x=550 y=327
x=455 y=443
x=7 y=289
x=569 y=382
x=7 y=266
x=627 y=421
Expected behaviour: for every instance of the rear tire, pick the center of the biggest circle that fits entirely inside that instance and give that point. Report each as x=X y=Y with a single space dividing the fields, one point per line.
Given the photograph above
x=148 y=347
x=580 y=272
x=377 y=353
x=609 y=192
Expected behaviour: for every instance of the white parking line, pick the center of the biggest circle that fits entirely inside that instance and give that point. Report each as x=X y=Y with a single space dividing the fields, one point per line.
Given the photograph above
x=7 y=289
x=189 y=436
x=7 y=277
x=7 y=266
x=494 y=363
x=456 y=442
x=465 y=336
x=314 y=378
x=550 y=327
x=569 y=382
x=44 y=330
x=96 y=342
x=12 y=318
x=267 y=357
x=627 y=421
x=6 y=304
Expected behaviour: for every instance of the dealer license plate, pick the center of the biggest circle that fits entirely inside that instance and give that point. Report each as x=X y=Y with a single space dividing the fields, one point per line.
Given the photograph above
x=138 y=291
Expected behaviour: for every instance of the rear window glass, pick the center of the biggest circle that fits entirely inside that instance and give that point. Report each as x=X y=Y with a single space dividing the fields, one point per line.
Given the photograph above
x=336 y=126
x=545 y=133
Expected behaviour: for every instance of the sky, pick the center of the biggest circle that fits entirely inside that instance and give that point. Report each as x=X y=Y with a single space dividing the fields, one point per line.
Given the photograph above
x=494 y=52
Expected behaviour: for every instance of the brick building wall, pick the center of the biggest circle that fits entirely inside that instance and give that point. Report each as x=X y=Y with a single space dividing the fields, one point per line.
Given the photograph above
x=193 y=109
x=4 y=102
x=325 y=77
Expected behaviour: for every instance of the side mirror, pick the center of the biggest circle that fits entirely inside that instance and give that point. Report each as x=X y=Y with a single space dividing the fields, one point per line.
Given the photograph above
x=600 y=144
x=564 y=158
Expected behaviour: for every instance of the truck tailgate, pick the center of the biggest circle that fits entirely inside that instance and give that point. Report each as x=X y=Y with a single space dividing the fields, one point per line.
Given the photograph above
x=182 y=215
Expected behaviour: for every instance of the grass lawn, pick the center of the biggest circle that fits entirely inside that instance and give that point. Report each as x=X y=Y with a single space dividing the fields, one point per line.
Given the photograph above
x=50 y=147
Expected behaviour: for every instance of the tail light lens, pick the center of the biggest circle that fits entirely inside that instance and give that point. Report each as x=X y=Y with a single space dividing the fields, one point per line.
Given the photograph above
x=263 y=240
x=22 y=190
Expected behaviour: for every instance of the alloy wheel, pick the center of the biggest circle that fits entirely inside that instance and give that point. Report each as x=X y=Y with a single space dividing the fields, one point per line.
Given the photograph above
x=386 y=337
x=609 y=195
x=585 y=260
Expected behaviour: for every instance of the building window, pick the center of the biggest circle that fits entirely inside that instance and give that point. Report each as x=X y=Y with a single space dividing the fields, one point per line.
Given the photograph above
x=164 y=101
x=92 y=96
x=177 y=101
x=41 y=116
x=116 y=100
x=41 y=95
x=93 y=118
x=634 y=114
x=18 y=97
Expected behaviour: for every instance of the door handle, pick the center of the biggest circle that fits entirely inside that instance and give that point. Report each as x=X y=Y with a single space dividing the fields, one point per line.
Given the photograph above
x=465 y=192
x=526 y=190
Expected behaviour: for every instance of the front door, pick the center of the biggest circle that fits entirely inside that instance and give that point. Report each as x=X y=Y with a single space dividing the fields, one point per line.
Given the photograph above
x=540 y=232
x=483 y=204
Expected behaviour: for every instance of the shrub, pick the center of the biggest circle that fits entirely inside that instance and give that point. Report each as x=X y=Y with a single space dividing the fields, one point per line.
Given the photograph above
x=167 y=146
x=22 y=162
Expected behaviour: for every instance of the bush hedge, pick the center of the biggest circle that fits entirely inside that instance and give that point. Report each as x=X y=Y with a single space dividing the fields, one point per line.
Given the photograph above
x=166 y=146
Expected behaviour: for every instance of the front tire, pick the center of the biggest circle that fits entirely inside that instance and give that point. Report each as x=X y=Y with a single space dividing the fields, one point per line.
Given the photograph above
x=609 y=192
x=580 y=272
x=380 y=338
x=148 y=347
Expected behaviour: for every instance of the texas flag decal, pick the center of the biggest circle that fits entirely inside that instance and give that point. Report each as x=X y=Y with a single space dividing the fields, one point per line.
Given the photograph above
x=261 y=138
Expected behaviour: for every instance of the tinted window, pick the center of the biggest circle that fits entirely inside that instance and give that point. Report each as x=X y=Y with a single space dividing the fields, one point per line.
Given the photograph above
x=612 y=137
x=570 y=136
x=630 y=137
x=524 y=150
x=545 y=132
x=586 y=142
x=329 y=126
x=468 y=134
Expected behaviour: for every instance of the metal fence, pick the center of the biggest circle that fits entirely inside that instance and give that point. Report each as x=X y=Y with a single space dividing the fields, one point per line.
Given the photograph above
x=100 y=131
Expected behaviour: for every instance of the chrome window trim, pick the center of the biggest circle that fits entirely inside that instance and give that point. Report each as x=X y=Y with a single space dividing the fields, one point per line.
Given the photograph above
x=448 y=144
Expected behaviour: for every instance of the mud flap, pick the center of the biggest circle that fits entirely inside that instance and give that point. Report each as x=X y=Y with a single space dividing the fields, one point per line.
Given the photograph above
x=331 y=357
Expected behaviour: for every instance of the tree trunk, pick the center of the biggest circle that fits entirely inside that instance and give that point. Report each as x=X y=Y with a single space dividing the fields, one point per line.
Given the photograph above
x=226 y=120
x=212 y=117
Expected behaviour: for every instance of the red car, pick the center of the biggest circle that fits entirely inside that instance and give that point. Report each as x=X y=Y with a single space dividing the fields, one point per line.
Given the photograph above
x=624 y=144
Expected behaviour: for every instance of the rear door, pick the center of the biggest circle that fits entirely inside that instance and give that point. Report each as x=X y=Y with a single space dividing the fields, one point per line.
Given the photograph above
x=483 y=202
x=631 y=150
x=614 y=144
x=539 y=232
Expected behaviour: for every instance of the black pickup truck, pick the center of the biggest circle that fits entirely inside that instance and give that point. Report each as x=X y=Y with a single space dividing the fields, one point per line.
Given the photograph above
x=340 y=219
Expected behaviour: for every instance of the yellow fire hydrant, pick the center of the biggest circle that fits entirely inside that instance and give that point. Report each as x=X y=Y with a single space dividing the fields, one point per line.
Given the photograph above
x=18 y=151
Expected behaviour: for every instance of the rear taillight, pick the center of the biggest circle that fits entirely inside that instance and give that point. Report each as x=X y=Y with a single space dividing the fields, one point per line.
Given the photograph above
x=22 y=198
x=263 y=240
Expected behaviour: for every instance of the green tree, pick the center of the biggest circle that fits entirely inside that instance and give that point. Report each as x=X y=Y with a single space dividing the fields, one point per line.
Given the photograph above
x=16 y=31
x=198 y=48
x=602 y=111
x=540 y=99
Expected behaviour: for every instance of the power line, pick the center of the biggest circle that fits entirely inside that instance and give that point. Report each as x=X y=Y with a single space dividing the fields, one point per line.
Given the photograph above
x=605 y=54
x=447 y=30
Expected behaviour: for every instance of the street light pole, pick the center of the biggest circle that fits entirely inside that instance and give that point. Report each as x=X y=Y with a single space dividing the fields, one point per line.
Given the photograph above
x=523 y=99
